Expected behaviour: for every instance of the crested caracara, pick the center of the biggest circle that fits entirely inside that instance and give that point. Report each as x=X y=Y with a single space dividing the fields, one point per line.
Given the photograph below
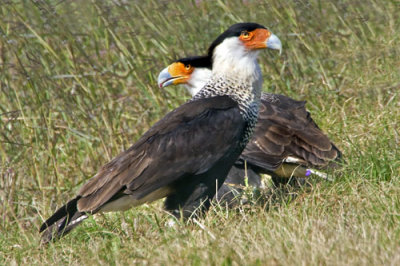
x=187 y=155
x=286 y=141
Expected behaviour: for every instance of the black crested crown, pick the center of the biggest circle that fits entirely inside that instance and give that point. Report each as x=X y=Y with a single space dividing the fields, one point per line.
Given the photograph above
x=197 y=61
x=234 y=30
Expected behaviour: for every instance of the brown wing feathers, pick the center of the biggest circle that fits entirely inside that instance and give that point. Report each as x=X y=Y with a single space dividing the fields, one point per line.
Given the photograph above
x=130 y=170
x=187 y=142
x=285 y=129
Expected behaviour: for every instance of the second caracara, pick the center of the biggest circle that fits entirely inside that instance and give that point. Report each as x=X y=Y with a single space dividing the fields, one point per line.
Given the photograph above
x=286 y=141
x=187 y=155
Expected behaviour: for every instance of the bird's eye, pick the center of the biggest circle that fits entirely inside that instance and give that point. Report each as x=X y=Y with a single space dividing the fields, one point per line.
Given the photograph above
x=188 y=67
x=245 y=34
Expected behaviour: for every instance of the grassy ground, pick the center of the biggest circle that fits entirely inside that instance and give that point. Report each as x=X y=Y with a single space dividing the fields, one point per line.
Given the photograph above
x=77 y=81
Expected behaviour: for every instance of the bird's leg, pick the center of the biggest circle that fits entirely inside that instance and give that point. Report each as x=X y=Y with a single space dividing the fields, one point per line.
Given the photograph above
x=193 y=198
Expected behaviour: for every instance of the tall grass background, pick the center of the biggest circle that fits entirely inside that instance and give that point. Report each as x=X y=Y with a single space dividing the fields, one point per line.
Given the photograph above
x=78 y=85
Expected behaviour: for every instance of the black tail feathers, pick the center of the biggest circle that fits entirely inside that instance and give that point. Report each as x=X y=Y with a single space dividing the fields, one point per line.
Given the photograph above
x=62 y=221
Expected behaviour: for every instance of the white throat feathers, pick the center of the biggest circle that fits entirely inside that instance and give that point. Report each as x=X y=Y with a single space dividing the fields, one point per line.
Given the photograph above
x=235 y=73
x=198 y=79
x=231 y=57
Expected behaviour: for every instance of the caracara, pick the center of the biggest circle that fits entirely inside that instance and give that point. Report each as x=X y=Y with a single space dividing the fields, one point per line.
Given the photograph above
x=187 y=155
x=286 y=141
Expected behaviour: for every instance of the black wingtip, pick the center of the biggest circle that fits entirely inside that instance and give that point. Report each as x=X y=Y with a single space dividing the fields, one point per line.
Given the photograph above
x=62 y=222
x=62 y=227
x=68 y=209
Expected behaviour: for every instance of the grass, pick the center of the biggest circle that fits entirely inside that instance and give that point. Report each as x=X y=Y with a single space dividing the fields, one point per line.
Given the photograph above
x=78 y=85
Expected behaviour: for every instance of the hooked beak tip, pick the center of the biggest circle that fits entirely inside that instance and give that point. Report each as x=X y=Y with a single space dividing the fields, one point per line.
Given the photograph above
x=163 y=78
x=273 y=42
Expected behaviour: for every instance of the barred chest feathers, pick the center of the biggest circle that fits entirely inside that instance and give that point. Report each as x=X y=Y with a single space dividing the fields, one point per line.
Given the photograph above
x=246 y=93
